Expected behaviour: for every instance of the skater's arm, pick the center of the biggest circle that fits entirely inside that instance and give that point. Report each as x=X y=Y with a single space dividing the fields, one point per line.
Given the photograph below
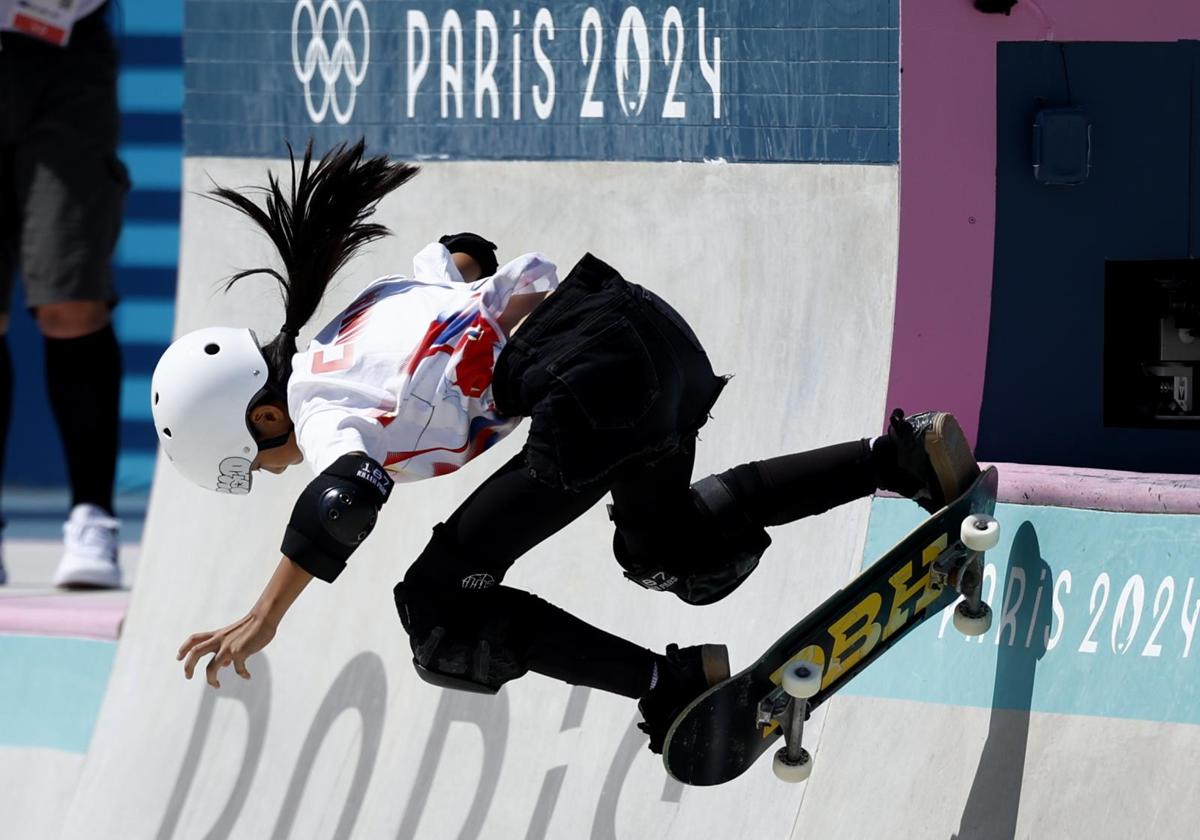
x=281 y=591
x=232 y=645
x=332 y=516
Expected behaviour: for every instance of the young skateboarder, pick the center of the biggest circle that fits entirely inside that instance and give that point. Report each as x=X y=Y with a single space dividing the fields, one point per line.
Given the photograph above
x=420 y=374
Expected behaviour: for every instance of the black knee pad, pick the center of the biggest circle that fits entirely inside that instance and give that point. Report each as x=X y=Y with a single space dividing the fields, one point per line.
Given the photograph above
x=471 y=640
x=702 y=559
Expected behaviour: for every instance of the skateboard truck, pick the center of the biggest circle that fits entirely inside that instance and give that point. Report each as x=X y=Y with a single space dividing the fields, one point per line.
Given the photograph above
x=789 y=705
x=960 y=567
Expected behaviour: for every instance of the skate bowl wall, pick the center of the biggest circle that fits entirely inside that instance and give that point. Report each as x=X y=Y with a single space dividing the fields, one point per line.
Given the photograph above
x=774 y=229
x=785 y=269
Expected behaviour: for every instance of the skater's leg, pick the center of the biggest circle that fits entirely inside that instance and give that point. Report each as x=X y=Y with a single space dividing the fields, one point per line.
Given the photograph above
x=925 y=457
x=790 y=487
x=701 y=541
x=658 y=494
x=566 y=648
x=770 y=492
x=455 y=585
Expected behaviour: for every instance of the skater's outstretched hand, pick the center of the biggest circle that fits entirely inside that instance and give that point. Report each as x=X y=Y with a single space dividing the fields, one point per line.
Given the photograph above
x=230 y=645
x=234 y=644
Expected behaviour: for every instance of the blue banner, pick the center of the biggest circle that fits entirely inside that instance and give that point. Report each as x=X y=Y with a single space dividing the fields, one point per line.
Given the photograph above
x=733 y=80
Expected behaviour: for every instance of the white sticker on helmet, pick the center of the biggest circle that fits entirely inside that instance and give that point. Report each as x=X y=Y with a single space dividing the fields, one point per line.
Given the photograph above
x=235 y=476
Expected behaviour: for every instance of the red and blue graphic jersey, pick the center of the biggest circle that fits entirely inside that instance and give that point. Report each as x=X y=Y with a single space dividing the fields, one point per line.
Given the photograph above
x=404 y=372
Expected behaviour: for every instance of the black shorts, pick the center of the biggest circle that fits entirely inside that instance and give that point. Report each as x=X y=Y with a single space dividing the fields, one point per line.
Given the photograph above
x=62 y=186
x=610 y=376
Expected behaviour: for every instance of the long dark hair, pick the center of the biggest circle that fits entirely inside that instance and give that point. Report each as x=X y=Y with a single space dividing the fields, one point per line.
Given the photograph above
x=316 y=231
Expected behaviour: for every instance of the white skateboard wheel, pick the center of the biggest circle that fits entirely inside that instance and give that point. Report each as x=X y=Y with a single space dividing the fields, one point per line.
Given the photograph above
x=789 y=772
x=972 y=625
x=802 y=679
x=980 y=532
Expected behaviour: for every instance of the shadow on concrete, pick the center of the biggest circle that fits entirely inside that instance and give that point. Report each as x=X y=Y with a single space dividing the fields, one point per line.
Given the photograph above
x=360 y=687
x=995 y=797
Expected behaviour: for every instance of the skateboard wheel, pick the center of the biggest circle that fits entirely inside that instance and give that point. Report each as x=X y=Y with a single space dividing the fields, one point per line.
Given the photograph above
x=980 y=532
x=802 y=679
x=792 y=772
x=972 y=625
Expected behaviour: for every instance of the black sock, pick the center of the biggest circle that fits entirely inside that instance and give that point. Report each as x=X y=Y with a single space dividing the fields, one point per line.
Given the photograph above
x=6 y=398
x=781 y=490
x=83 y=379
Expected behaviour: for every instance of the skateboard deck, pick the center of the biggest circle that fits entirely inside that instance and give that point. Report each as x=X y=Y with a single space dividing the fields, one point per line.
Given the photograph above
x=720 y=734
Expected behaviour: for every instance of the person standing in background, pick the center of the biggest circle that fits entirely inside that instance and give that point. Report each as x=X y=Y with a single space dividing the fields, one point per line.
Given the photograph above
x=62 y=194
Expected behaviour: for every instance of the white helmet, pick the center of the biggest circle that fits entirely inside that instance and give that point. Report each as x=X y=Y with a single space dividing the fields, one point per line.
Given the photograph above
x=201 y=390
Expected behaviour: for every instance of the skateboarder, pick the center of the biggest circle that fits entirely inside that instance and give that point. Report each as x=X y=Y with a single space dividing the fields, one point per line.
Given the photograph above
x=418 y=375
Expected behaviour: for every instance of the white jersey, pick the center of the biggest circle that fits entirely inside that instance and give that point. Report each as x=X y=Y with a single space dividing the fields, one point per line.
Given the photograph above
x=404 y=373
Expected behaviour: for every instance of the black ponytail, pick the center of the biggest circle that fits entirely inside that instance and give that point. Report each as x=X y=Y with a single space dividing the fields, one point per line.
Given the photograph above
x=316 y=232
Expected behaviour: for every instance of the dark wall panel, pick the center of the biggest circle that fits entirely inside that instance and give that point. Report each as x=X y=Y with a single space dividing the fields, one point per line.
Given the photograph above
x=1043 y=394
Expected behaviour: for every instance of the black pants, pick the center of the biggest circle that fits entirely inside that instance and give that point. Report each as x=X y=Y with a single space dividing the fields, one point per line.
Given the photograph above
x=641 y=451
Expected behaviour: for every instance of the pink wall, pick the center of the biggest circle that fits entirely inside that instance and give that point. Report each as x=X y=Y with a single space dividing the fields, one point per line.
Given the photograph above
x=947 y=175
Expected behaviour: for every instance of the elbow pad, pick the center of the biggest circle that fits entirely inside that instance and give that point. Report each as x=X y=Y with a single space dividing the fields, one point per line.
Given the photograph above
x=334 y=514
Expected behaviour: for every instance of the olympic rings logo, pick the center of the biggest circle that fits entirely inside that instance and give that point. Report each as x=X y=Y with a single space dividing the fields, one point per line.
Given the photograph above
x=330 y=64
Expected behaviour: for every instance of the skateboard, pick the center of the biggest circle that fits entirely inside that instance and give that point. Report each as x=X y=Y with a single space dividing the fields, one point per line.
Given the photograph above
x=721 y=733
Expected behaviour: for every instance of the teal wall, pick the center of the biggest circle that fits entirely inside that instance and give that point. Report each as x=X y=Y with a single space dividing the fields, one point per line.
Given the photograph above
x=51 y=690
x=1094 y=614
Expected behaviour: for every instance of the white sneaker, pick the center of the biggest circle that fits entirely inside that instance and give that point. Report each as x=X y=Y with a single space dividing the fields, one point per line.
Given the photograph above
x=89 y=558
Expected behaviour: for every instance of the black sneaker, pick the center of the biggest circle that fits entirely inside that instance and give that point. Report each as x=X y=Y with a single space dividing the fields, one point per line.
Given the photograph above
x=926 y=458
x=683 y=675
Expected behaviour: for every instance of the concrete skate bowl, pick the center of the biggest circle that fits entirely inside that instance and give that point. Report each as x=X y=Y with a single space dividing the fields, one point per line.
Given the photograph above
x=772 y=221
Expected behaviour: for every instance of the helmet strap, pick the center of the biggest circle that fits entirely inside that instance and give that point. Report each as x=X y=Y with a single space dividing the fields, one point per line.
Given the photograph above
x=268 y=393
x=277 y=441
